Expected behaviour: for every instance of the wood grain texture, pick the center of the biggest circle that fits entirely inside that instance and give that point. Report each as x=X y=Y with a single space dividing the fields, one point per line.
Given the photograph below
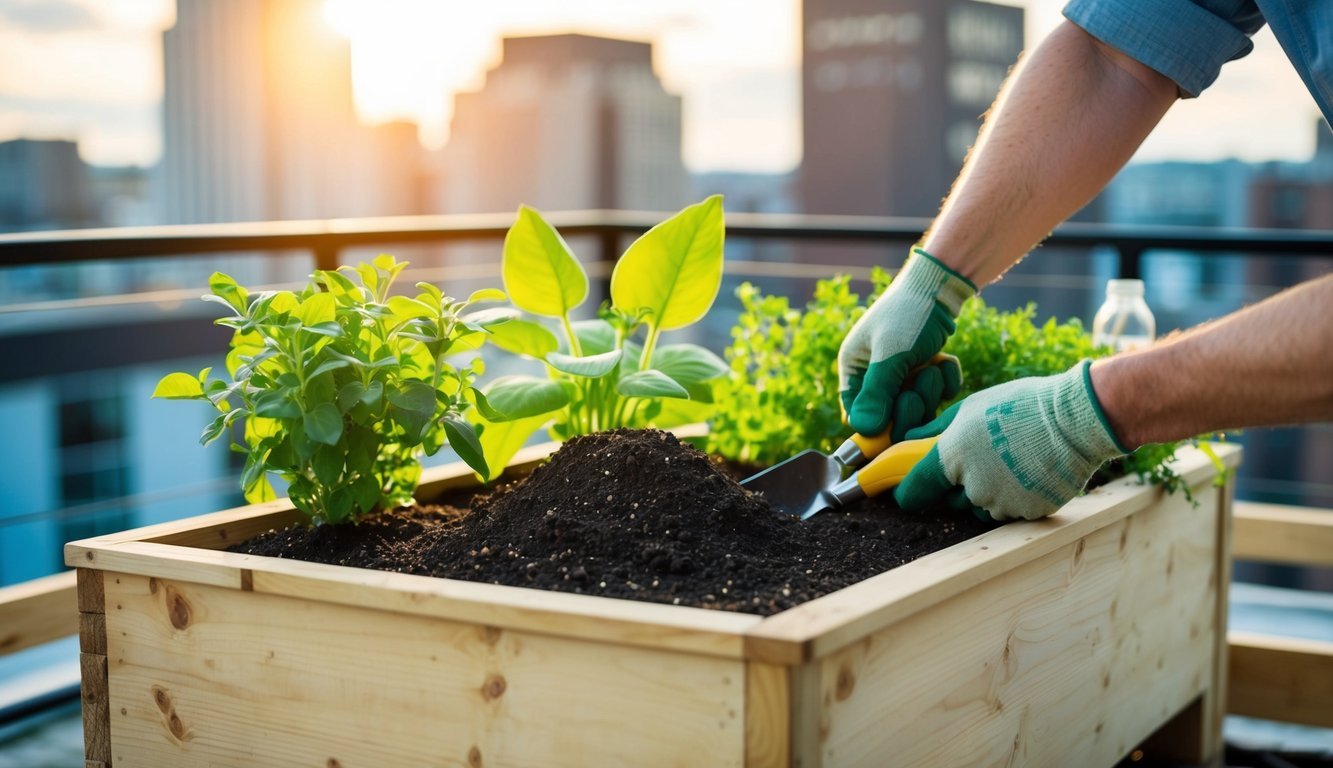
x=38 y=611
x=95 y=694
x=822 y=626
x=767 y=716
x=89 y=590
x=1280 y=678
x=629 y=622
x=201 y=675
x=1277 y=533
x=1070 y=659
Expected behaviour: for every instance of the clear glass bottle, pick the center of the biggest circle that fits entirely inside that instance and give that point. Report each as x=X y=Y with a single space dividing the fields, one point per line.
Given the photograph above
x=1124 y=321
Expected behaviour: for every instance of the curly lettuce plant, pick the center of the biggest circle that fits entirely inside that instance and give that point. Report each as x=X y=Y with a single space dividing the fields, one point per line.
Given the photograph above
x=599 y=375
x=341 y=387
x=781 y=395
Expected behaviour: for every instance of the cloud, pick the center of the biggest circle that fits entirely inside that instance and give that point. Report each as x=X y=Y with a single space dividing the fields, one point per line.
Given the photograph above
x=47 y=15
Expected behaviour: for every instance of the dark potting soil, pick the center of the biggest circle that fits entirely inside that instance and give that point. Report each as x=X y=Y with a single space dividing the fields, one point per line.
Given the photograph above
x=635 y=514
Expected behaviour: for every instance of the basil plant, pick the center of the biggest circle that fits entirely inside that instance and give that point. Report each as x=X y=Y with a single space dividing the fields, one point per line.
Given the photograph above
x=341 y=387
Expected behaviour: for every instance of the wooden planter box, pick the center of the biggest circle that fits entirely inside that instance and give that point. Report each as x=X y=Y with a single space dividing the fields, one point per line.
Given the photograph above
x=1066 y=641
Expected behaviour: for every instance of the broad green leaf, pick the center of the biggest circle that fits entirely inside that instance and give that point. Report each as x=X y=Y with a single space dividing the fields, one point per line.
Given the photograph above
x=592 y=367
x=688 y=363
x=328 y=464
x=463 y=439
x=339 y=506
x=179 y=386
x=485 y=295
x=415 y=396
x=326 y=366
x=218 y=426
x=330 y=329
x=520 y=397
x=350 y=395
x=344 y=290
x=489 y=318
x=484 y=407
x=540 y=273
x=595 y=336
x=501 y=440
x=277 y=404
x=651 y=383
x=523 y=337
x=226 y=288
x=366 y=492
x=281 y=302
x=259 y=491
x=429 y=289
x=675 y=269
x=405 y=308
x=324 y=424
x=316 y=310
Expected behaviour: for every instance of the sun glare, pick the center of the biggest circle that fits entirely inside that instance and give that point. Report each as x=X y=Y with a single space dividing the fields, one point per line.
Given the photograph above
x=408 y=56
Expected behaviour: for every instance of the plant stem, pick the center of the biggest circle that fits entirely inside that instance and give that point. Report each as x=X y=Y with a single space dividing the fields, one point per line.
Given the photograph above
x=648 y=346
x=575 y=348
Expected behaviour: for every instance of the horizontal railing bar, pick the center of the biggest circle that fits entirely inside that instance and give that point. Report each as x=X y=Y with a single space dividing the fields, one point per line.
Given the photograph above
x=71 y=246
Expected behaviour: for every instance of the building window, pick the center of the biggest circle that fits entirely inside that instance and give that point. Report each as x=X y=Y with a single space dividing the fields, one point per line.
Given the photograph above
x=94 y=466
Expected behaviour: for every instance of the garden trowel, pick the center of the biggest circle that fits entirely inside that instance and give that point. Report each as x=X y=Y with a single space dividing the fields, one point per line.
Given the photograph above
x=811 y=482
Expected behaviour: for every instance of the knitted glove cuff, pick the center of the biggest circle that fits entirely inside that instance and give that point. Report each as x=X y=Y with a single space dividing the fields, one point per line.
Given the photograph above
x=926 y=276
x=1085 y=424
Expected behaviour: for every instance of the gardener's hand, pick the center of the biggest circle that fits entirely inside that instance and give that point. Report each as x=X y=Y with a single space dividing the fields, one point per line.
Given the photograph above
x=903 y=329
x=1017 y=450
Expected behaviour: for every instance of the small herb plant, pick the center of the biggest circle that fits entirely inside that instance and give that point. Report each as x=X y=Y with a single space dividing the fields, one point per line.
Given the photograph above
x=341 y=387
x=781 y=395
x=599 y=375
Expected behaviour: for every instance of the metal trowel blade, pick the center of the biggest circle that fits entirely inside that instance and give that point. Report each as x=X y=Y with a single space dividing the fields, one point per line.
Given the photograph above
x=796 y=486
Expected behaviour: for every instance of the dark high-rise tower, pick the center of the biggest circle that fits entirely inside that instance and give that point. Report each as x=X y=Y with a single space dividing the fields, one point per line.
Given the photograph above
x=893 y=95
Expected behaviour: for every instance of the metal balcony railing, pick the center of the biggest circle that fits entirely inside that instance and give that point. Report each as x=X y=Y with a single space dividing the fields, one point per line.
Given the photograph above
x=44 y=609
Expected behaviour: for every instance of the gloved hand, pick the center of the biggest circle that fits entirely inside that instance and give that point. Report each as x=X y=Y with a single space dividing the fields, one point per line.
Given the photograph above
x=1017 y=450
x=904 y=328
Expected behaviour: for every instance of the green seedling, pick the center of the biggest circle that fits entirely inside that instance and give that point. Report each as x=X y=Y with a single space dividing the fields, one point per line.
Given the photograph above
x=340 y=388
x=602 y=373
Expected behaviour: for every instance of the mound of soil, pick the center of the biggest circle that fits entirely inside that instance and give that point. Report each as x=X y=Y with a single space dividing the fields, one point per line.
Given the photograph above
x=635 y=514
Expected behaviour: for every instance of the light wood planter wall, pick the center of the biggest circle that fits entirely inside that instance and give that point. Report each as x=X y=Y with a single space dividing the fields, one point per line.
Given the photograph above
x=1067 y=641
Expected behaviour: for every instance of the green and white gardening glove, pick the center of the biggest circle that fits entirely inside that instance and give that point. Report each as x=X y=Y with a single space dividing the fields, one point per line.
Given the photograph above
x=1018 y=450
x=903 y=329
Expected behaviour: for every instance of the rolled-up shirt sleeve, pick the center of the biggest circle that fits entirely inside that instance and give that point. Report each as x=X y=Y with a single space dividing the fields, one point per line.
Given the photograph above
x=1184 y=40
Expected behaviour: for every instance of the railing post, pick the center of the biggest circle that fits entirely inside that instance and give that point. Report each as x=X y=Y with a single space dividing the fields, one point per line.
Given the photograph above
x=1130 y=258
x=326 y=256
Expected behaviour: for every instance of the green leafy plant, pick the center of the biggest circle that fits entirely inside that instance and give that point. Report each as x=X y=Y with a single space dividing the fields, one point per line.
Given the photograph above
x=599 y=374
x=341 y=387
x=781 y=395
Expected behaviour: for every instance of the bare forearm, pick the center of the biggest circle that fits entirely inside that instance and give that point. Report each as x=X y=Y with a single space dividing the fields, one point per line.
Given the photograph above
x=1068 y=119
x=1269 y=364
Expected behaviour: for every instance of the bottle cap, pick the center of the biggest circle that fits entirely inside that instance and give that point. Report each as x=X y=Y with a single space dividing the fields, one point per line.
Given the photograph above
x=1124 y=287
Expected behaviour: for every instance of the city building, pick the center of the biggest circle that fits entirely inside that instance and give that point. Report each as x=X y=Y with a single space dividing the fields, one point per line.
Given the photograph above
x=893 y=94
x=259 y=122
x=44 y=184
x=566 y=122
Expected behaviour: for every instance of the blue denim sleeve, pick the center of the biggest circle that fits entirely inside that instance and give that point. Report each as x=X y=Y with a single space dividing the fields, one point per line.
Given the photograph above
x=1185 y=40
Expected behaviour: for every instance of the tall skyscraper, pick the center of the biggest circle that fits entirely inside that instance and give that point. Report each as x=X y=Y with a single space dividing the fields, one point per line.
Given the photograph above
x=259 y=121
x=565 y=122
x=893 y=95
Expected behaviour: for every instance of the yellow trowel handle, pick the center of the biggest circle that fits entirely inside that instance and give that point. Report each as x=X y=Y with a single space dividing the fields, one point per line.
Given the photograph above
x=890 y=467
x=873 y=446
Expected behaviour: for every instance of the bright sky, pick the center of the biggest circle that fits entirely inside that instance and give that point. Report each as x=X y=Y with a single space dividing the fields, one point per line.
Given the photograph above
x=91 y=70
